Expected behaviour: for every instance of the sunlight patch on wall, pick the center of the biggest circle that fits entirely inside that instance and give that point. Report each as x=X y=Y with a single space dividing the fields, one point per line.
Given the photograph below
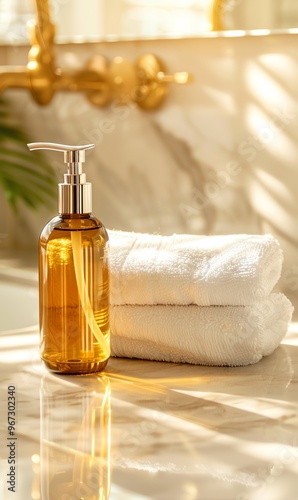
x=269 y=132
x=262 y=86
x=273 y=62
x=270 y=208
x=275 y=186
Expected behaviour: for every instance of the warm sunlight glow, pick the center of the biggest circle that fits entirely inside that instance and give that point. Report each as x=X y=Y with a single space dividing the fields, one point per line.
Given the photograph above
x=262 y=86
x=19 y=347
x=270 y=208
x=35 y=458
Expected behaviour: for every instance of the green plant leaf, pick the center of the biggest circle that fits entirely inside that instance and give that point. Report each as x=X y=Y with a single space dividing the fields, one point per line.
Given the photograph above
x=24 y=177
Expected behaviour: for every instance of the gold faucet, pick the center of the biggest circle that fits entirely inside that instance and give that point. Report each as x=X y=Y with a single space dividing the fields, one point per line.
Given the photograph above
x=217 y=9
x=144 y=82
x=39 y=73
x=41 y=65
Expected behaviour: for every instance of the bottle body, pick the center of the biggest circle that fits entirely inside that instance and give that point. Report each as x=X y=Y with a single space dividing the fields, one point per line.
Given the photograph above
x=74 y=294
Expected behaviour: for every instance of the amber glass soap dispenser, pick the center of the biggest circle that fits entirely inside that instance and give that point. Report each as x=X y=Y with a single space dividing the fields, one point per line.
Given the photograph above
x=73 y=276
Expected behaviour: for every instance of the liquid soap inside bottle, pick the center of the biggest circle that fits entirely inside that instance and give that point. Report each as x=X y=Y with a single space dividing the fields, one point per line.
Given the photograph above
x=74 y=294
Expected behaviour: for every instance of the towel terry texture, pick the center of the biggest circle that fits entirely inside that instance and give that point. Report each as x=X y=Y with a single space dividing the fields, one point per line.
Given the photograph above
x=188 y=269
x=215 y=335
x=196 y=299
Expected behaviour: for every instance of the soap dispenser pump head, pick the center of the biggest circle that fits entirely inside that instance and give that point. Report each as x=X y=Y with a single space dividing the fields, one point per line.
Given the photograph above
x=75 y=194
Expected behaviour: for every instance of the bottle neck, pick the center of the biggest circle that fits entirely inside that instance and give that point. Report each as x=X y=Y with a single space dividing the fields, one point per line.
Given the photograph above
x=75 y=216
x=74 y=198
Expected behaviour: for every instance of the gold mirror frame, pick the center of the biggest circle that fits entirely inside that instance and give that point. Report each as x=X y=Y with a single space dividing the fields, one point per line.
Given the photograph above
x=216 y=14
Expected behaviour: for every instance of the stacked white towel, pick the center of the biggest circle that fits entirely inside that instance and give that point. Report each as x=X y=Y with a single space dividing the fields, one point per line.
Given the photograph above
x=196 y=299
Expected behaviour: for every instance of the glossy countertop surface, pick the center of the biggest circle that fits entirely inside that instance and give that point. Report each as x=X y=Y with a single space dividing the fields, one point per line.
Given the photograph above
x=148 y=430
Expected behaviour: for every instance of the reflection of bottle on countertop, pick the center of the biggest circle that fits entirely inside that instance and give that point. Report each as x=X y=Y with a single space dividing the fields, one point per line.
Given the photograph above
x=75 y=438
x=73 y=276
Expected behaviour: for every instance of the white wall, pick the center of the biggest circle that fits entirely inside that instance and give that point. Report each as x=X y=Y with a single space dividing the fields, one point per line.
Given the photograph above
x=219 y=157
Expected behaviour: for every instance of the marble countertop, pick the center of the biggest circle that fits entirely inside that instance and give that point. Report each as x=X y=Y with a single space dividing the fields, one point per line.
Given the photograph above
x=149 y=430
x=146 y=430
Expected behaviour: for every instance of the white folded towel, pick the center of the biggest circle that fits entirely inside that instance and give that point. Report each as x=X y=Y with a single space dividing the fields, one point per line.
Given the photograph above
x=216 y=335
x=188 y=269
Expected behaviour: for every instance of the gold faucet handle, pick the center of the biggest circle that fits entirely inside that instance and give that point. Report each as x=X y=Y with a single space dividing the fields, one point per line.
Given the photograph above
x=153 y=81
x=145 y=82
x=182 y=77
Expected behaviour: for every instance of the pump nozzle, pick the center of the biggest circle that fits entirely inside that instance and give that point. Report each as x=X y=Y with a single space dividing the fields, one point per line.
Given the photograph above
x=74 y=196
x=72 y=154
